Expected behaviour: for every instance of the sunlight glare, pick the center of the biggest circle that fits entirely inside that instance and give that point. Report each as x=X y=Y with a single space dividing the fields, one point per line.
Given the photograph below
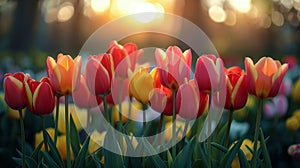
x=242 y=6
x=100 y=5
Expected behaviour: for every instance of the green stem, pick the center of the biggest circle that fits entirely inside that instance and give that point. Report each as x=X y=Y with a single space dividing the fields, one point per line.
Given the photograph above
x=67 y=131
x=44 y=133
x=186 y=125
x=129 y=107
x=144 y=118
x=120 y=104
x=174 y=126
x=56 y=120
x=22 y=138
x=257 y=123
x=228 y=128
x=106 y=109
x=88 y=119
x=161 y=121
x=209 y=155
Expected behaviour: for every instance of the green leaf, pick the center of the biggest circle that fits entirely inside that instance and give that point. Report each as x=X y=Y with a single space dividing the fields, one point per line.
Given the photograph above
x=54 y=152
x=49 y=161
x=231 y=154
x=243 y=160
x=96 y=162
x=157 y=161
x=75 y=140
x=44 y=164
x=203 y=155
x=112 y=159
x=17 y=160
x=170 y=159
x=30 y=162
x=219 y=147
x=80 y=160
x=37 y=150
x=184 y=157
x=265 y=152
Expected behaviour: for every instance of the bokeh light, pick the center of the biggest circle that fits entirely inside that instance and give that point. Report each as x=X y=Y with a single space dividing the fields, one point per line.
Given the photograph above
x=242 y=6
x=65 y=12
x=100 y=5
x=217 y=14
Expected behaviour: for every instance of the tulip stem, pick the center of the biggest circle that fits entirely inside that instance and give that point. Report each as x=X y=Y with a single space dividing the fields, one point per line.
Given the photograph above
x=22 y=137
x=228 y=128
x=56 y=120
x=174 y=126
x=67 y=131
x=44 y=133
x=144 y=118
x=120 y=104
x=161 y=121
x=186 y=125
x=257 y=123
x=107 y=115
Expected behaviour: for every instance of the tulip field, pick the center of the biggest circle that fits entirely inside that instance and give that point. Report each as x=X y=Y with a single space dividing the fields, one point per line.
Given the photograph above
x=109 y=110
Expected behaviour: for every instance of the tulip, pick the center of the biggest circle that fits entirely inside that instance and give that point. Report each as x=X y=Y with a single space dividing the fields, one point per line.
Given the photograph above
x=39 y=137
x=286 y=87
x=191 y=103
x=291 y=60
x=210 y=73
x=236 y=94
x=124 y=57
x=278 y=107
x=174 y=66
x=140 y=85
x=161 y=98
x=83 y=98
x=14 y=90
x=292 y=123
x=99 y=74
x=40 y=96
x=265 y=77
x=296 y=91
x=64 y=73
x=294 y=151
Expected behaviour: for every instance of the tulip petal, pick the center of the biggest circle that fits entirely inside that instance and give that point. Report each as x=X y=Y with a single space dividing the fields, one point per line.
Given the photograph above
x=14 y=94
x=277 y=79
x=239 y=94
x=43 y=99
x=53 y=73
x=251 y=75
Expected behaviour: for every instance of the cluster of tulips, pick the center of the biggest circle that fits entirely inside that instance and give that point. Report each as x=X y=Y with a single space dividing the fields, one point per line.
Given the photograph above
x=170 y=88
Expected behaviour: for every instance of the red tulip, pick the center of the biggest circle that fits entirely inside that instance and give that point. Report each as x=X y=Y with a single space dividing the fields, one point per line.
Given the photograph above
x=40 y=96
x=265 y=77
x=99 y=73
x=64 y=73
x=124 y=57
x=174 y=66
x=237 y=93
x=190 y=103
x=210 y=73
x=14 y=90
x=83 y=98
x=161 y=98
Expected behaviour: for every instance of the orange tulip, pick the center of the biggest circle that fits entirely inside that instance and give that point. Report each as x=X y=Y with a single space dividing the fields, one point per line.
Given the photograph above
x=64 y=73
x=14 y=90
x=40 y=96
x=237 y=93
x=265 y=77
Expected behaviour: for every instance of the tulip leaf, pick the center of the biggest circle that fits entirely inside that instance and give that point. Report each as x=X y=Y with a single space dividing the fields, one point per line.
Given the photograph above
x=44 y=164
x=243 y=160
x=49 y=160
x=75 y=142
x=53 y=151
x=111 y=159
x=231 y=154
x=184 y=157
x=203 y=155
x=265 y=150
x=37 y=150
x=170 y=159
x=17 y=160
x=30 y=162
x=80 y=160
x=219 y=147
x=157 y=161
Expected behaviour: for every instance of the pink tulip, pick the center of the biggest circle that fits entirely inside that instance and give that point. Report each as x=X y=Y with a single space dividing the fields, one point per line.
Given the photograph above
x=278 y=106
x=210 y=73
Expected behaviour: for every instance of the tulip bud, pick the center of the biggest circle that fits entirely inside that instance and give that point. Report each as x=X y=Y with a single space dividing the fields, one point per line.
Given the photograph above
x=14 y=90
x=265 y=77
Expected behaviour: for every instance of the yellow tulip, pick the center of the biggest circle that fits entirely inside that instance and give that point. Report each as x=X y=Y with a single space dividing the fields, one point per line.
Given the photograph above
x=296 y=91
x=292 y=123
x=248 y=154
x=141 y=85
x=96 y=141
x=61 y=147
x=79 y=117
x=135 y=110
x=14 y=114
x=39 y=137
x=297 y=114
